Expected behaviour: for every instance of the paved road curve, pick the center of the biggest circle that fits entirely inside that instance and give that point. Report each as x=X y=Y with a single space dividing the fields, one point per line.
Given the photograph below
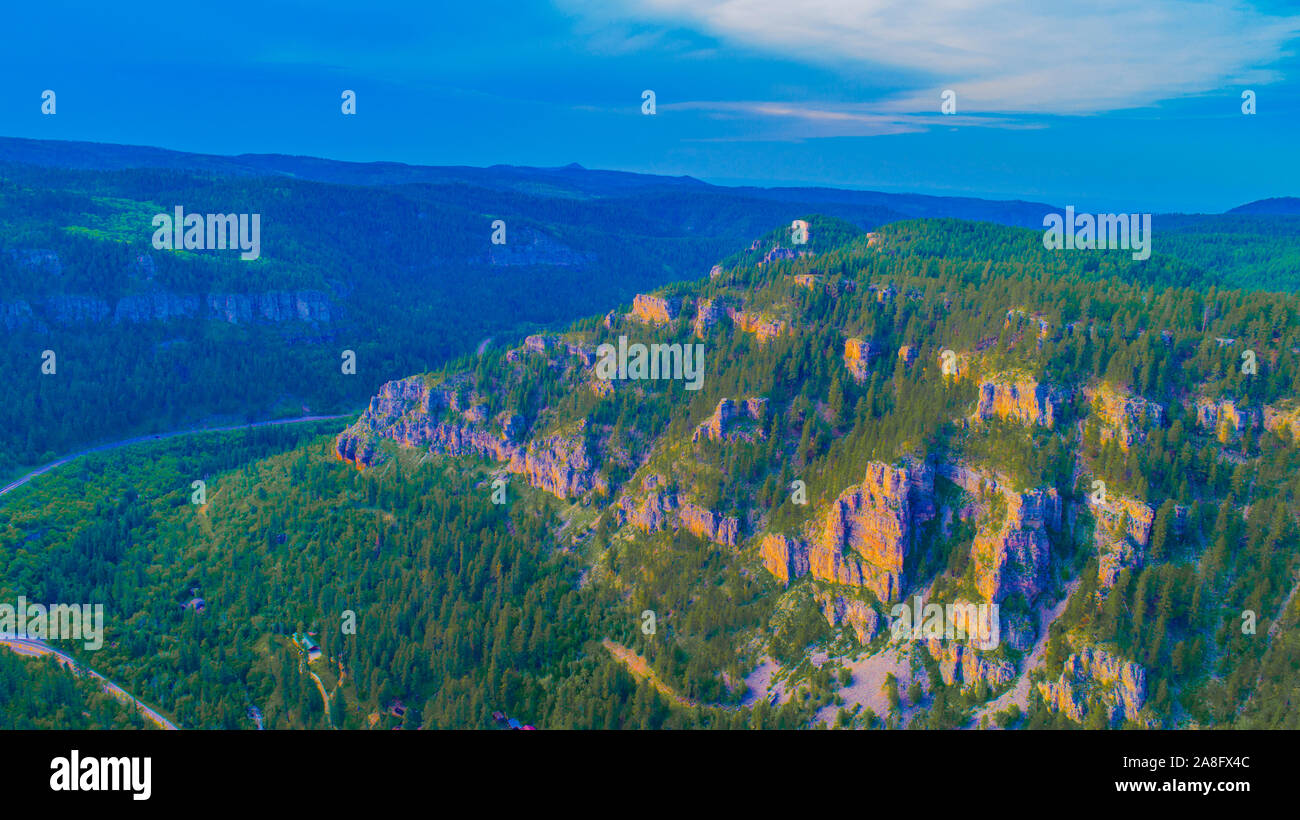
x=36 y=648
x=161 y=437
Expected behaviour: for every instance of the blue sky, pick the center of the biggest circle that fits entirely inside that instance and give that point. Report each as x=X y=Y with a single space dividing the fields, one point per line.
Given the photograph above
x=1114 y=106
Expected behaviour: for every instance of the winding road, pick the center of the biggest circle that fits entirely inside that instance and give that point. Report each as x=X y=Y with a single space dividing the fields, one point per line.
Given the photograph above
x=32 y=647
x=162 y=437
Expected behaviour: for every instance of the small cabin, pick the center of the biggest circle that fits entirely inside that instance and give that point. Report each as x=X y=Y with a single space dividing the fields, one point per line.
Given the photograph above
x=309 y=648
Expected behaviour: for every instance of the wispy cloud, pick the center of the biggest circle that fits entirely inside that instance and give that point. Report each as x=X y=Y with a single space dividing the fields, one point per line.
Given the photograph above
x=787 y=120
x=1000 y=56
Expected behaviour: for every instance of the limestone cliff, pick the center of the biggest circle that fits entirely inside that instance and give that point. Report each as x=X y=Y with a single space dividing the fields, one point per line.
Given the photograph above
x=1122 y=536
x=1212 y=413
x=859 y=616
x=763 y=326
x=1123 y=416
x=725 y=423
x=1018 y=398
x=858 y=355
x=863 y=540
x=653 y=508
x=710 y=311
x=655 y=310
x=1119 y=685
x=1281 y=418
x=960 y=663
x=1013 y=554
x=414 y=414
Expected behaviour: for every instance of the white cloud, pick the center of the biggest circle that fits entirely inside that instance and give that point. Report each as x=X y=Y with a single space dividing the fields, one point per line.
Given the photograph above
x=1000 y=56
x=787 y=121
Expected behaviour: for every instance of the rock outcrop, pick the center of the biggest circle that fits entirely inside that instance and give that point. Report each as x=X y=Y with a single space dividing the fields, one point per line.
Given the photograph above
x=858 y=354
x=37 y=260
x=960 y=663
x=711 y=311
x=1125 y=417
x=764 y=327
x=74 y=309
x=1122 y=536
x=545 y=344
x=859 y=616
x=158 y=306
x=864 y=538
x=832 y=286
x=1120 y=686
x=654 y=509
x=411 y=413
x=655 y=310
x=530 y=247
x=1212 y=413
x=722 y=424
x=777 y=254
x=164 y=306
x=1278 y=419
x=18 y=316
x=1013 y=555
x=272 y=306
x=1018 y=398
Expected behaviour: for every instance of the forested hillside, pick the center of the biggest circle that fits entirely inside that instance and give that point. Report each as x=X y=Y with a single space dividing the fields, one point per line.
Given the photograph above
x=396 y=264
x=1104 y=449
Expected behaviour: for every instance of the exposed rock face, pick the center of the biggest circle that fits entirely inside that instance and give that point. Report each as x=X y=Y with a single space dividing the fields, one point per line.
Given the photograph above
x=864 y=539
x=1120 y=685
x=142 y=266
x=158 y=306
x=721 y=425
x=709 y=525
x=655 y=310
x=858 y=354
x=272 y=306
x=18 y=315
x=859 y=616
x=832 y=286
x=1125 y=417
x=1021 y=399
x=1123 y=535
x=907 y=354
x=529 y=247
x=1018 y=632
x=784 y=556
x=38 y=260
x=961 y=663
x=654 y=510
x=1210 y=414
x=561 y=465
x=777 y=254
x=76 y=310
x=764 y=327
x=162 y=306
x=710 y=312
x=1278 y=419
x=1014 y=556
x=410 y=412
x=543 y=344
x=715 y=271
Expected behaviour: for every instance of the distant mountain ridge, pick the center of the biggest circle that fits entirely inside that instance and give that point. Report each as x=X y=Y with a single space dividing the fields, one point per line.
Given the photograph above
x=572 y=180
x=1274 y=206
